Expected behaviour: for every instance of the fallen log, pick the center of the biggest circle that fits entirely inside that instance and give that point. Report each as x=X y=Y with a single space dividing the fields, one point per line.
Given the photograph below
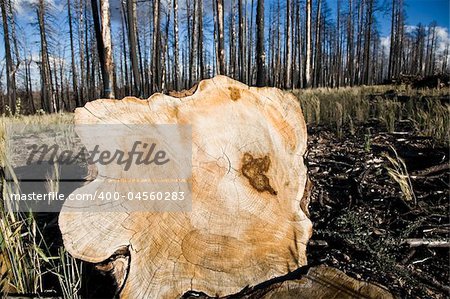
x=248 y=223
x=431 y=243
x=315 y=282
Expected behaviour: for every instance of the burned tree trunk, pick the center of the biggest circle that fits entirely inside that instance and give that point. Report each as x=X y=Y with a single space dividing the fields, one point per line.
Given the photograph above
x=132 y=42
x=10 y=73
x=108 y=78
x=156 y=51
x=260 y=52
x=72 y=55
x=176 y=66
x=103 y=37
x=47 y=96
x=308 y=44
x=220 y=35
x=288 y=45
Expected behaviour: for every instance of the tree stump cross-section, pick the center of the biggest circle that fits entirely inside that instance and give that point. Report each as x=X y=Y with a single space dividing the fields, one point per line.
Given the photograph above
x=248 y=180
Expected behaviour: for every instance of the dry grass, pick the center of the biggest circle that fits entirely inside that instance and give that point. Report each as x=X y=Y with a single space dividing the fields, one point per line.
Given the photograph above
x=399 y=173
x=346 y=107
x=25 y=258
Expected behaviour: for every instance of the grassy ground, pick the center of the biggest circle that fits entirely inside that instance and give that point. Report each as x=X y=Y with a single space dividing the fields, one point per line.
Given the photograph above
x=348 y=108
x=367 y=146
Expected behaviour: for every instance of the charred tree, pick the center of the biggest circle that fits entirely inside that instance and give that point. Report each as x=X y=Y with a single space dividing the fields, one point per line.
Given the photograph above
x=260 y=51
x=10 y=71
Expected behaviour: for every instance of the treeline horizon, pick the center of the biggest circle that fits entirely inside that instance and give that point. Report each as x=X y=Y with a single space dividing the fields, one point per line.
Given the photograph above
x=160 y=46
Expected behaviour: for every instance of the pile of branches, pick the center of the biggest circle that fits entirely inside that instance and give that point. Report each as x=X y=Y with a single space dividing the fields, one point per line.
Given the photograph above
x=419 y=82
x=380 y=208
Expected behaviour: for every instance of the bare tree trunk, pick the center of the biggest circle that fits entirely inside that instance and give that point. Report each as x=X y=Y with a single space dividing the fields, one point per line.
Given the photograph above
x=250 y=48
x=81 y=21
x=288 y=44
x=140 y=57
x=350 y=58
x=369 y=15
x=166 y=60
x=300 y=44
x=232 y=42
x=30 y=85
x=201 y=67
x=308 y=44
x=108 y=76
x=317 y=55
x=72 y=54
x=89 y=56
x=391 y=48
x=124 y=27
x=241 y=42
x=431 y=59
x=47 y=90
x=176 y=45
x=220 y=36
x=156 y=51
x=192 y=31
x=103 y=37
x=338 y=46
x=260 y=51
x=13 y=34
x=358 y=44
x=57 y=94
x=10 y=72
x=131 y=16
x=278 y=45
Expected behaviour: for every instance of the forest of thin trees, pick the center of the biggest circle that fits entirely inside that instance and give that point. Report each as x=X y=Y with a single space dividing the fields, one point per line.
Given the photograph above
x=137 y=47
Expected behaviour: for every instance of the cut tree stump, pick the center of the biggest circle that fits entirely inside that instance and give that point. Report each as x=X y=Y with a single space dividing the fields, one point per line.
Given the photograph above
x=248 y=222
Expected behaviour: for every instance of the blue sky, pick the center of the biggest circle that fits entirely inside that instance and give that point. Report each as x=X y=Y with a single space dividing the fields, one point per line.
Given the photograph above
x=426 y=11
x=417 y=11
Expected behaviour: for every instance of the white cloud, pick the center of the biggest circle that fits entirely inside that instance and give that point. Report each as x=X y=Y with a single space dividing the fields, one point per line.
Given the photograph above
x=386 y=44
x=26 y=7
x=442 y=40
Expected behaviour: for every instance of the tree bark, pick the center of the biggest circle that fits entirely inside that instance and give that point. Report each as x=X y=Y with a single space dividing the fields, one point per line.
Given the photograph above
x=10 y=72
x=47 y=89
x=367 y=41
x=241 y=47
x=72 y=55
x=176 y=46
x=288 y=44
x=250 y=47
x=108 y=78
x=131 y=16
x=260 y=51
x=156 y=51
x=220 y=35
x=308 y=45
x=200 y=56
x=103 y=37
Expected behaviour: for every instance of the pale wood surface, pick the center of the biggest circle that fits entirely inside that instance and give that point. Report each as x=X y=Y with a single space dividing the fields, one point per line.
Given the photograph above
x=248 y=179
x=319 y=282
